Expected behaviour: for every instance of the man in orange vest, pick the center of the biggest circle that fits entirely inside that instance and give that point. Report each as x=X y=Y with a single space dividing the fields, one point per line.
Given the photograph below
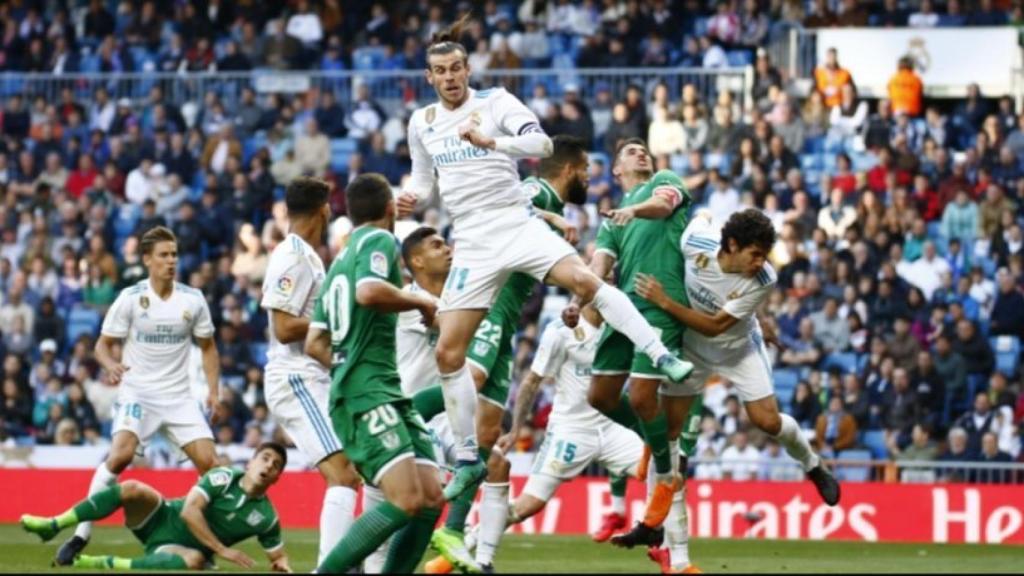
x=906 y=89
x=830 y=79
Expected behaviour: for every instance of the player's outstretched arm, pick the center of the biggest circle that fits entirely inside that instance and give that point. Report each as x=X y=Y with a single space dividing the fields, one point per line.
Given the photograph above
x=648 y=287
x=524 y=405
x=568 y=230
x=654 y=208
x=115 y=369
x=192 y=515
x=211 y=368
x=384 y=297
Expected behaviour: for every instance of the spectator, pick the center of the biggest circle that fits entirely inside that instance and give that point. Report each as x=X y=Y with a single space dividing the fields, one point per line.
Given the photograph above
x=987 y=15
x=740 y=459
x=803 y=351
x=925 y=17
x=836 y=429
x=1008 y=312
x=906 y=89
x=830 y=79
x=978 y=422
x=852 y=15
x=920 y=449
x=219 y=148
x=831 y=332
x=312 y=150
x=956 y=452
x=330 y=116
x=806 y=406
x=991 y=454
x=973 y=347
x=953 y=17
x=723 y=200
x=788 y=125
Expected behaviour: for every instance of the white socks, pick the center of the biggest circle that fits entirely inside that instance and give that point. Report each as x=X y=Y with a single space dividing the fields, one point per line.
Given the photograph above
x=796 y=444
x=677 y=533
x=619 y=505
x=101 y=479
x=374 y=563
x=460 y=405
x=336 y=518
x=620 y=313
x=493 y=521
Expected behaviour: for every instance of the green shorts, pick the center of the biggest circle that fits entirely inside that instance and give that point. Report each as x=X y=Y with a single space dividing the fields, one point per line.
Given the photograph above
x=616 y=354
x=380 y=437
x=165 y=527
x=491 y=352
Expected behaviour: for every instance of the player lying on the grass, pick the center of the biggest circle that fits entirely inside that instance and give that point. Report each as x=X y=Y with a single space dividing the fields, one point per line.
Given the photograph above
x=296 y=385
x=727 y=279
x=353 y=333
x=157 y=320
x=224 y=508
x=467 y=143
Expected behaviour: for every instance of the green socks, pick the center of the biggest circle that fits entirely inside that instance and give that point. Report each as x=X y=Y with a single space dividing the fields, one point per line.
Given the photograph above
x=655 y=433
x=160 y=561
x=458 y=509
x=411 y=542
x=429 y=402
x=95 y=507
x=625 y=416
x=366 y=535
x=618 y=485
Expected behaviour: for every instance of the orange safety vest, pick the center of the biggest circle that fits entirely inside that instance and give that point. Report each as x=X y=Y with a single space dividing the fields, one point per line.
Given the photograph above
x=905 y=90
x=830 y=83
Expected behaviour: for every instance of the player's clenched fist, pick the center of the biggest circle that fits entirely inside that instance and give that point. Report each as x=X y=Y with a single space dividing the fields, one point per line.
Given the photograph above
x=117 y=372
x=406 y=204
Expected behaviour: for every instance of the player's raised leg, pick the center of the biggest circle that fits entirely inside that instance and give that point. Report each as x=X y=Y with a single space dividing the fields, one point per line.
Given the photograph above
x=137 y=499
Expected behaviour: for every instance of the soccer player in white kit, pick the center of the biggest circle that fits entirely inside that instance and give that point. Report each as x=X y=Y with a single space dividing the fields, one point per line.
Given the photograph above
x=157 y=321
x=471 y=139
x=428 y=258
x=727 y=279
x=295 y=385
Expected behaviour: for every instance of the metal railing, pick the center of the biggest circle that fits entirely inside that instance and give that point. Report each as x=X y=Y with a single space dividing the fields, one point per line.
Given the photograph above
x=796 y=52
x=392 y=89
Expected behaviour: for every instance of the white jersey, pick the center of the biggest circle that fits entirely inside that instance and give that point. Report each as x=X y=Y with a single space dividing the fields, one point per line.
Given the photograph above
x=567 y=355
x=294 y=275
x=417 y=365
x=710 y=289
x=470 y=178
x=157 y=338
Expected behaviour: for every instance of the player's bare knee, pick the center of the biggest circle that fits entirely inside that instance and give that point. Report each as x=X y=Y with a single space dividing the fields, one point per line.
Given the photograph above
x=645 y=408
x=194 y=560
x=449 y=358
x=602 y=402
x=410 y=502
x=433 y=497
x=131 y=490
x=769 y=422
x=585 y=284
x=119 y=460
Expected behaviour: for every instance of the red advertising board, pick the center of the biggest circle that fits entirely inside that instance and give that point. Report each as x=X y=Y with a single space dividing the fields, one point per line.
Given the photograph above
x=868 y=511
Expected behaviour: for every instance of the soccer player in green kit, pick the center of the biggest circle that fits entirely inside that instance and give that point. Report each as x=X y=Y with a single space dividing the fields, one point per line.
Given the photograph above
x=353 y=333
x=643 y=236
x=562 y=179
x=227 y=506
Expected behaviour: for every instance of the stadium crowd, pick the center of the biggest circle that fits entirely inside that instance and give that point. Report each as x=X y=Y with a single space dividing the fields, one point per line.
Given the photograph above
x=899 y=310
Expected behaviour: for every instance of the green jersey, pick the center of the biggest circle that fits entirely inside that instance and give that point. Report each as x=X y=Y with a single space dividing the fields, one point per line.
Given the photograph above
x=364 y=369
x=650 y=246
x=519 y=287
x=231 y=514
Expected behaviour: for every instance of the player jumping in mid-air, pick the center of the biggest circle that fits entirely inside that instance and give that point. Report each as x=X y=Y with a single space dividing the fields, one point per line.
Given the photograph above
x=353 y=333
x=727 y=279
x=296 y=385
x=157 y=320
x=643 y=236
x=226 y=507
x=472 y=140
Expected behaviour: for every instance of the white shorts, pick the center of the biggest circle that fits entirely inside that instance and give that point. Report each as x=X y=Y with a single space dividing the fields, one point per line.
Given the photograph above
x=566 y=452
x=748 y=368
x=182 y=422
x=493 y=245
x=298 y=402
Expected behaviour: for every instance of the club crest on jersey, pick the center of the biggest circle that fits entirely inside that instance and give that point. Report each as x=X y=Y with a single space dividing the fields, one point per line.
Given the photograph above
x=579 y=333
x=390 y=440
x=186 y=316
x=379 y=264
x=480 y=348
x=431 y=114
x=733 y=295
x=702 y=261
x=475 y=118
x=254 y=518
x=285 y=284
x=220 y=478
x=144 y=302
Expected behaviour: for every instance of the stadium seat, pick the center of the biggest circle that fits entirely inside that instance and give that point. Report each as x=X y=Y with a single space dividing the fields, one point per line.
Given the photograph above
x=863 y=161
x=785 y=380
x=874 y=441
x=739 y=58
x=258 y=351
x=853 y=472
x=1007 y=351
x=810 y=162
x=845 y=362
x=814 y=145
x=341 y=150
x=81 y=320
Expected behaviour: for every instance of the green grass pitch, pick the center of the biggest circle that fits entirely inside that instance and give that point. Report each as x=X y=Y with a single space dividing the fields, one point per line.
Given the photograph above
x=22 y=552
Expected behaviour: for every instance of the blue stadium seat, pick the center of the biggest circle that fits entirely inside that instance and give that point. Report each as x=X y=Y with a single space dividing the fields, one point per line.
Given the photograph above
x=785 y=380
x=863 y=161
x=718 y=161
x=368 y=57
x=810 y=162
x=595 y=156
x=874 y=440
x=845 y=362
x=829 y=163
x=853 y=473
x=258 y=351
x=1007 y=351
x=81 y=320
x=814 y=145
x=341 y=150
x=739 y=58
